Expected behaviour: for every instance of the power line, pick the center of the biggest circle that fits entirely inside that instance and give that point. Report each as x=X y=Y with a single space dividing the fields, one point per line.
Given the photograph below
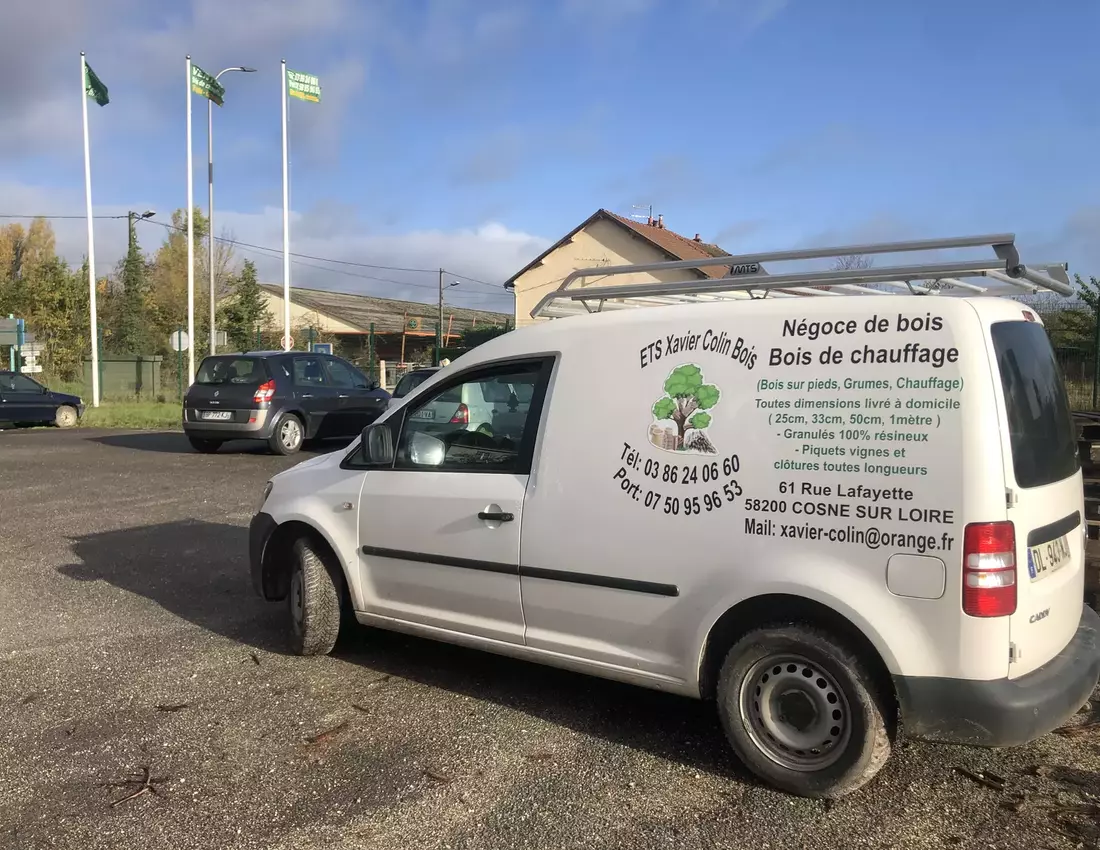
x=280 y=253
x=273 y=254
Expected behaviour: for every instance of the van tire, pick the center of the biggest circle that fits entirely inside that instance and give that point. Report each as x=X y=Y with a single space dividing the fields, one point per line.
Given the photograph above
x=313 y=601
x=817 y=673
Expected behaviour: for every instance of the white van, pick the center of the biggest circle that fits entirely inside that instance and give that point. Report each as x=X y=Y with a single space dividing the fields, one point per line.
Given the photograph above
x=841 y=518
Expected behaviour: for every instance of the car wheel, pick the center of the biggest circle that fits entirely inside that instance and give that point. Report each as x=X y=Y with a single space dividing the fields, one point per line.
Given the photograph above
x=313 y=601
x=204 y=446
x=288 y=435
x=802 y=712
x=65 y=417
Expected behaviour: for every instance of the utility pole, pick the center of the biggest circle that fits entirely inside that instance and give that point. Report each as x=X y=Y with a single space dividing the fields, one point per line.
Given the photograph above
x=439 y=320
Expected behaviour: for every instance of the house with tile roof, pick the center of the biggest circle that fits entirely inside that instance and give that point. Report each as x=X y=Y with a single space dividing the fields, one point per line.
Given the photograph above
x=608 y=239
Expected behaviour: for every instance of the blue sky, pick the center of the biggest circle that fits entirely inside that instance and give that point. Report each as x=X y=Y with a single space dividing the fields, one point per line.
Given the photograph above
x=472 y=133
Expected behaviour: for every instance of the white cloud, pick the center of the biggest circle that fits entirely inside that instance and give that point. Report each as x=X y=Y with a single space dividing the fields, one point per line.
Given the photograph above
x=490 y=252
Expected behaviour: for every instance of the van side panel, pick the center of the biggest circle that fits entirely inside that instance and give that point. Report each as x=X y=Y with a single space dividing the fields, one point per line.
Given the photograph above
x=697 y=456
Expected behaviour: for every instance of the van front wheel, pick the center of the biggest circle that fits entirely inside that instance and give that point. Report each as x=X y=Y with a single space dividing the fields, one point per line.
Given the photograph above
x=313 y=601
x=801 y=711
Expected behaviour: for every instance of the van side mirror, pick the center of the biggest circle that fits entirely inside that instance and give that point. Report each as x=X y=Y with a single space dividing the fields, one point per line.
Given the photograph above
x=426 y=450
x=378 y=444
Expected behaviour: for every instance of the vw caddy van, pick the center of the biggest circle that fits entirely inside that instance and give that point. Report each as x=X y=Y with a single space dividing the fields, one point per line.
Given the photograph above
x=843 y=519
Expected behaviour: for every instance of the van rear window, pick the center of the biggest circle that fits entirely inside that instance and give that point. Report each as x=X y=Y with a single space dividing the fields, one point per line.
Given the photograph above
x=1044 y=445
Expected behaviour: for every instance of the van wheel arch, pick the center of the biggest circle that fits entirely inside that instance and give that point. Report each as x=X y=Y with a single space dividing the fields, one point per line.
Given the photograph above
x=279 y=555
x=778 y=609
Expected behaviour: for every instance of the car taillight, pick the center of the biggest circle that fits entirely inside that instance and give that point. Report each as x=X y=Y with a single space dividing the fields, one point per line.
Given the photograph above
x=989 y=569
x=462 y=415
x=264 y=392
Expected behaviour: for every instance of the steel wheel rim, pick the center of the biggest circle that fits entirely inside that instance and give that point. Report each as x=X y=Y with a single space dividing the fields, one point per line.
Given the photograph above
x=297 y=601
x=289 y=433
x=795 y=713
x=67 y=417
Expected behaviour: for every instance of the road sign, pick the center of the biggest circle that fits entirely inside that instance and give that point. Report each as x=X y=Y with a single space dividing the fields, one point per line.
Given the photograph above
x=28 y=338
x=322 y=348
x=31 y=367
x=180 y=341
x=31 y=349
x=11 y=331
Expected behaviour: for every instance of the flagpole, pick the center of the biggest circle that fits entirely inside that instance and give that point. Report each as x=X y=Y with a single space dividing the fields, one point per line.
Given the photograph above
x=286 y=224
x=190 y=241
x=93 y=318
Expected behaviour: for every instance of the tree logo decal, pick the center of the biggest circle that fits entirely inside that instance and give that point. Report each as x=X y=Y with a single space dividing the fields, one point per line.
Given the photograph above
x=682 y=415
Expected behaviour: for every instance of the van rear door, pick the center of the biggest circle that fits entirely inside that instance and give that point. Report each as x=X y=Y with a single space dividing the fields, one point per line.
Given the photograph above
x=1046 y=502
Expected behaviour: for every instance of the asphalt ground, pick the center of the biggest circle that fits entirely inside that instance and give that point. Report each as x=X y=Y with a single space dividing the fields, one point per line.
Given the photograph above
x=133 y=648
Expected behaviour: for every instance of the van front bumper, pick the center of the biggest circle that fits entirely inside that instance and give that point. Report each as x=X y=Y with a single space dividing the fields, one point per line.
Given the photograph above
x=1004 y=712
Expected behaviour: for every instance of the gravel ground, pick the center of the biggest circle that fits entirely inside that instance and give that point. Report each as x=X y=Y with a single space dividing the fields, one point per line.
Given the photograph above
x=130 y=641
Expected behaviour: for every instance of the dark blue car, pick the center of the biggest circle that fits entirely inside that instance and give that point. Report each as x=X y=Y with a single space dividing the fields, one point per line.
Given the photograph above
x=24 y=401
x=280 y=397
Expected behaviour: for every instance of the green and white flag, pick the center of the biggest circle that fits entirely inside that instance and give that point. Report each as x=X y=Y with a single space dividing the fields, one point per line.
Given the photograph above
x=204 y=84
x=93 y=86
x=303 y=86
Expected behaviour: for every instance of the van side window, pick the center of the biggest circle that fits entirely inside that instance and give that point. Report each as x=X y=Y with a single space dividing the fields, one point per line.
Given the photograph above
x=485 y=421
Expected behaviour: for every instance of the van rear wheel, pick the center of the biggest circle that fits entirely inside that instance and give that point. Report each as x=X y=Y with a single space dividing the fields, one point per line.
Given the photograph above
x=802 y=712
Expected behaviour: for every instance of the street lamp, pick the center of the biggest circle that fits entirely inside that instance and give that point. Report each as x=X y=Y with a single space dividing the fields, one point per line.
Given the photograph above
x=210 y=187
x=131 y=217
x=439 y=320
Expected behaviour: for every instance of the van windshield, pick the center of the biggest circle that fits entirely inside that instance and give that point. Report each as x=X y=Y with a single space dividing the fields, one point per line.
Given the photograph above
x=1044 y=446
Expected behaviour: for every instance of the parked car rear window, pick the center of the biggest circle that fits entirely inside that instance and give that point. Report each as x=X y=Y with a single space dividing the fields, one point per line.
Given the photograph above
x=410 y=382
x=1044 y=445
x=231 y=370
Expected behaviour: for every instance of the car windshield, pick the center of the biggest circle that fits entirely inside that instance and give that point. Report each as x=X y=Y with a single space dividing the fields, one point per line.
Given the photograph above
x=231 y=370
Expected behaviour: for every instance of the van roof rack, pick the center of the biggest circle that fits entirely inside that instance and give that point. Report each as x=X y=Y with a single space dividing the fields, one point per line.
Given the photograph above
x=1003 y=275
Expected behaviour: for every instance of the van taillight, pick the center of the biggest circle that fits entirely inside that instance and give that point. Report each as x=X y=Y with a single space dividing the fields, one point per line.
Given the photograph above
x=989 y=569
x=462 y=415
x=264 y=392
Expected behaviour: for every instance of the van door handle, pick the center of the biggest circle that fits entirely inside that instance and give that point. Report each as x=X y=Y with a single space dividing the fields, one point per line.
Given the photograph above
x=496 y=516
x=306 y=395
x=343 y=395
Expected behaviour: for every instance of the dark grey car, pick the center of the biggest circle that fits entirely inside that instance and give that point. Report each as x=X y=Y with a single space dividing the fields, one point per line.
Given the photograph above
x=280 y=397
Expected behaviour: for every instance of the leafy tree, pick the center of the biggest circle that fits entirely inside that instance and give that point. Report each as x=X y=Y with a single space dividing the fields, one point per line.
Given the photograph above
x=1070 y=323
x=686 y=401
x=247 y=308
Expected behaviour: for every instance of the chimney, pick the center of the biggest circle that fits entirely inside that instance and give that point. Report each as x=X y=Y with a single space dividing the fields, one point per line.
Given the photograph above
x=697 y=239
x=661 y=222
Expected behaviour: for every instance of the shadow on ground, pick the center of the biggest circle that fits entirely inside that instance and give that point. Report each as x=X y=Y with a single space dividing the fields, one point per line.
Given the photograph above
x=199 y=572
x=193 y=569
x=174 y=442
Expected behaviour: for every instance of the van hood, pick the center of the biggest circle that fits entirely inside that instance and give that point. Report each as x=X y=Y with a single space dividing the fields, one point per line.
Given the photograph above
x=329 y=459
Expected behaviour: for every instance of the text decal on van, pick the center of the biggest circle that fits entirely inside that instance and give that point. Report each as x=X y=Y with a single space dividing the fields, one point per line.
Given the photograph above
x=840 y=427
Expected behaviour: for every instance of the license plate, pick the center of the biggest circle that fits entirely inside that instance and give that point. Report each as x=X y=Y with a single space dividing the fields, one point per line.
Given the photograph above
x=423 y=413
x=1046 y=558
x=216 y=415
